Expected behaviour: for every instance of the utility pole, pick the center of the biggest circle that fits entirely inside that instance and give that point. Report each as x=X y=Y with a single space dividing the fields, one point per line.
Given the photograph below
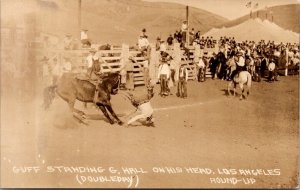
x=188 y=29
x=79 y=17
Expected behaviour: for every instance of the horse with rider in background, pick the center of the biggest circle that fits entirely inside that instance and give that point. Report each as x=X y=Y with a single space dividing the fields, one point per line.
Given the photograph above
x=241 y=79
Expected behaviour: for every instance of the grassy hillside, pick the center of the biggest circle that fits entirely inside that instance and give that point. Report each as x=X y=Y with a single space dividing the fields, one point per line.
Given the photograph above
x=120 y=21
x=117 y=21
x=285 y=16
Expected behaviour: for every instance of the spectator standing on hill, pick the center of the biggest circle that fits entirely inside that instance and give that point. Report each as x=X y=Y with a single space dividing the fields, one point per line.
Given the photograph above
x=197 y=35
x=184 y=29
x=192 y=36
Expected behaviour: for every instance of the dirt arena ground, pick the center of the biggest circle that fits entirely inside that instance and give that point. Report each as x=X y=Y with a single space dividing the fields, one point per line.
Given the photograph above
x=208 y=132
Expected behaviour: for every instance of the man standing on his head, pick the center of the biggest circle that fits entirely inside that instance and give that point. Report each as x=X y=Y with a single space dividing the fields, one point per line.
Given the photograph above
x=143 y=106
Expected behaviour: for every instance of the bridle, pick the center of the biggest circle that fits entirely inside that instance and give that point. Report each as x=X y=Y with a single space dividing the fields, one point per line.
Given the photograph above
x=117 y=82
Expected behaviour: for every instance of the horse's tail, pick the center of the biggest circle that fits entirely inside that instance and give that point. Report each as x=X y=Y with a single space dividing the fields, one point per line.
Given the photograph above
x=49 y=94
x=249 y=81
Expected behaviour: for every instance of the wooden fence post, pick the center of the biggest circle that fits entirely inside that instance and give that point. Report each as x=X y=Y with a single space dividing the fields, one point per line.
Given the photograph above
x=127 y=70
x=125 y=52
x=197 y=54
x=177 y=58
x=153 y=63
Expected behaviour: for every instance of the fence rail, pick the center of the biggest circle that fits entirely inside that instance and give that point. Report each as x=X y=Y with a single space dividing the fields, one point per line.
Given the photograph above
x=114 y=62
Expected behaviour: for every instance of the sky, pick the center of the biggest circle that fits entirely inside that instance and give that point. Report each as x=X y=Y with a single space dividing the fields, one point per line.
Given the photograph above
x=230 y=9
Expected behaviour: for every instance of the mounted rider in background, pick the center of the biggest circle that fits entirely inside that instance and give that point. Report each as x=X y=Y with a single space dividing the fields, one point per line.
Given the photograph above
x=240 y=64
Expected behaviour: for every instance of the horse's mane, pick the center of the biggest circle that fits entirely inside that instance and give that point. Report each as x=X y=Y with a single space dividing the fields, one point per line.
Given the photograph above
x=110 y=78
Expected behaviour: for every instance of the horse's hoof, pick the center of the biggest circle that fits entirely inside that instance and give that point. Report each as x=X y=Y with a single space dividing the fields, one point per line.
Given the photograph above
x=111 y=122
x=120 y=122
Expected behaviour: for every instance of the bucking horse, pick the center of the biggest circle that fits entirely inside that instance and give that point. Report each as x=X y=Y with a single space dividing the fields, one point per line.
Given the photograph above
x=70 y=88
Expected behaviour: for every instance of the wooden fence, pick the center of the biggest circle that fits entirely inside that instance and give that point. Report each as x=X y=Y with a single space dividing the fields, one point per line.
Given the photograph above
x=117 y=55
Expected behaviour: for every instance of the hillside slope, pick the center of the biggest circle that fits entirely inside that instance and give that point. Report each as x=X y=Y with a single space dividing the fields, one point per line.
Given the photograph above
x=116 y=21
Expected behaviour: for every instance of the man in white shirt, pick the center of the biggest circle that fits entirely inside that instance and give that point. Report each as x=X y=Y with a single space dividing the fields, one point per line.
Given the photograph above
x=143 y=44
x=240 y=64
x=163 y=75
x=202 y=70
x=84 y=38
x=89 y=60
x=182 y=81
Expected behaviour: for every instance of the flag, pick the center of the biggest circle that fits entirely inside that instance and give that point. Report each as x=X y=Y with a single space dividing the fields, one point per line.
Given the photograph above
x=248 y=5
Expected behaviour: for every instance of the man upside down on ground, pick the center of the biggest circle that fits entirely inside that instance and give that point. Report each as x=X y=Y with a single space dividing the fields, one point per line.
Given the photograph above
x=143 y=107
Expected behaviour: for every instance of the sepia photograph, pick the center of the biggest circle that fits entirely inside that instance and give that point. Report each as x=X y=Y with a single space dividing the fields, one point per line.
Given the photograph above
x=149 y=94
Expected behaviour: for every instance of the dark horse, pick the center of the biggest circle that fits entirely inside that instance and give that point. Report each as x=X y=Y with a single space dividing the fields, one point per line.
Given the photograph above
x=70 y=89
x=222 y=66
